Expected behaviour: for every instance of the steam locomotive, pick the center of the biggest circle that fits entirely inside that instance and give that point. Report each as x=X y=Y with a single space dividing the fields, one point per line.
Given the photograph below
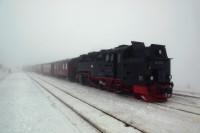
x=135 y=69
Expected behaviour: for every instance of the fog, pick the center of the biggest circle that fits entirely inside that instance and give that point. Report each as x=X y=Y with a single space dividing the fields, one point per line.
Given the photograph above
x=40 y=31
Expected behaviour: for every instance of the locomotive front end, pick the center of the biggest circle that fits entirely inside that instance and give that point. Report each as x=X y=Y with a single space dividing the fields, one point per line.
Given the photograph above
x=158 y=85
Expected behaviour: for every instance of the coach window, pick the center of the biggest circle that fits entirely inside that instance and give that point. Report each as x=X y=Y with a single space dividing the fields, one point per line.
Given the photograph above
x=107 y=57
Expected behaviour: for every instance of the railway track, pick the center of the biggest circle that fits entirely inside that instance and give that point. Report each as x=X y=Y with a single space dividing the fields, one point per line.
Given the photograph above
x=182 y=106
x=186 y=95
x=185 y=103
x=125 y=127
x=186 y=113
x=179 y=109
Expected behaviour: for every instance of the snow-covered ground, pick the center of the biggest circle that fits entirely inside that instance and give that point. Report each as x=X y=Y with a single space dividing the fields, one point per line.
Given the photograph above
x=99 y=119
x=149 y=117
x=187 y=89
x=24 y=108
x=3 y=73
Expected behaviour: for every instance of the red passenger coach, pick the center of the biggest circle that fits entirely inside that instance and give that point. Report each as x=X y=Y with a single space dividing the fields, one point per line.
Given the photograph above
x=59 y=68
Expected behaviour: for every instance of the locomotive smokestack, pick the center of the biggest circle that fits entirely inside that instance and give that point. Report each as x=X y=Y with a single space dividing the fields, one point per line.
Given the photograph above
x=137 y=43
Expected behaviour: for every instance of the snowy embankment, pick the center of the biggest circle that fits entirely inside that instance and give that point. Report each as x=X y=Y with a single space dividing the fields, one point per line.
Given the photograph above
x=179 y=114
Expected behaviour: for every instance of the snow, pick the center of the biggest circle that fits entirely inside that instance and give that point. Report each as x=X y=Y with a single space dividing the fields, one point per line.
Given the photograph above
x=104 y=122
x=189 y=93
x=149 y=117
x=77 y=121
x=24 y=108
x=187 y=103
x=188 y=88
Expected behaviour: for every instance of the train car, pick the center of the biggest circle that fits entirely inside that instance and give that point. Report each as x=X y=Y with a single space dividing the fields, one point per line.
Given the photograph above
x=59 y=68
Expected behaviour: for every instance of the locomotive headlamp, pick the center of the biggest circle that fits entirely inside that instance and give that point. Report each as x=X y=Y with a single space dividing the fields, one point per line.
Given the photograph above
x=160 y=51
x=170 y=76
x=92 y=66
x=151 y=77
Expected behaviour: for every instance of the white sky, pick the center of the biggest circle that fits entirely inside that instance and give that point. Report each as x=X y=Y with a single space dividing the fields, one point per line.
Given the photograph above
x=36 y=31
